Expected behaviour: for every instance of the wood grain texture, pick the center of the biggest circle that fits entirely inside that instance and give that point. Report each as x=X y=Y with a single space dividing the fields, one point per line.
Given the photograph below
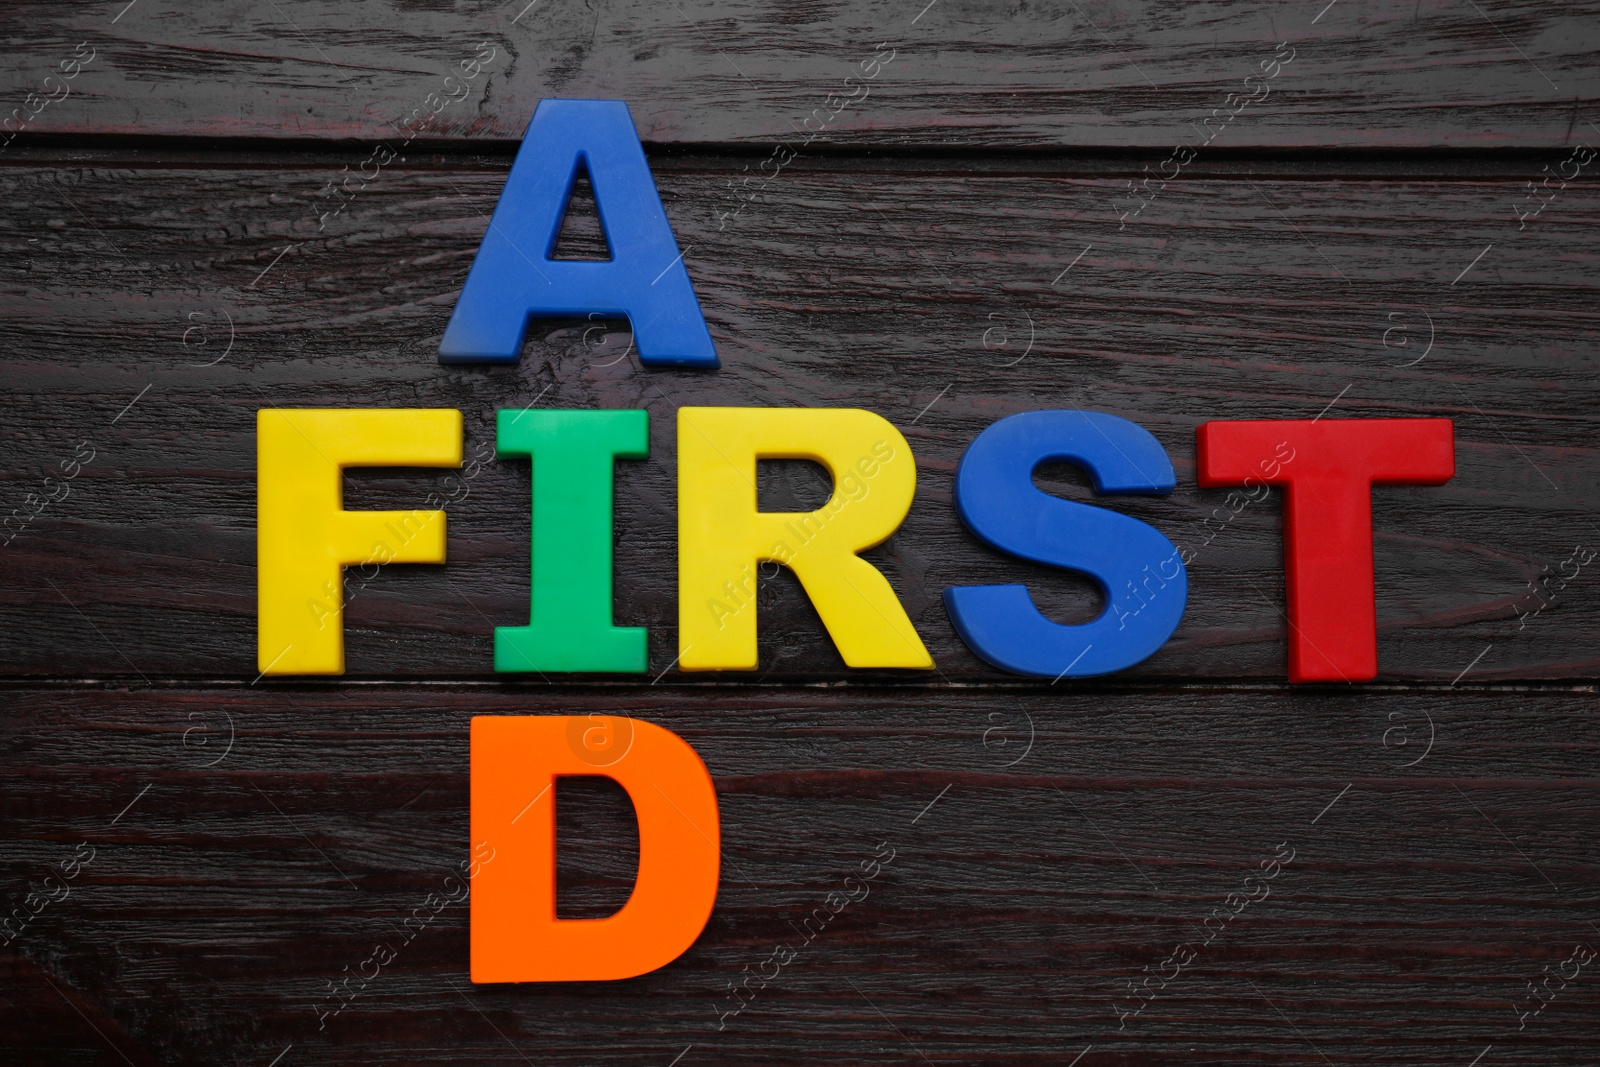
x=1053 y=73
x=994 y=227
x=1045 y=852
x=941 y=297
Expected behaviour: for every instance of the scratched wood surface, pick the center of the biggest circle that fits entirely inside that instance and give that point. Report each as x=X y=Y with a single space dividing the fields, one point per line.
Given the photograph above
x=1360 y=238
x=1382 y=74
x=1228 y=296
x=1043 y=856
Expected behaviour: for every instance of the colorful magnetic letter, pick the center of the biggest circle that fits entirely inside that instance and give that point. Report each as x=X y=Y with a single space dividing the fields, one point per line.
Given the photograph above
x=304 y=538
x=722 y=538
x=1327 y=468
x=1139 y=570
x=570 y=618
x=516 y=936
x=514 y=279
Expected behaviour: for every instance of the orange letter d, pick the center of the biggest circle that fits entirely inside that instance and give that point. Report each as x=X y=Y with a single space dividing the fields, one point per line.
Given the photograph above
x=516 y=760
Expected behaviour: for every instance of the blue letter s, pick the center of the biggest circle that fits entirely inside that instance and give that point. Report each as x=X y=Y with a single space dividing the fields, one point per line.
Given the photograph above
x=998 y=501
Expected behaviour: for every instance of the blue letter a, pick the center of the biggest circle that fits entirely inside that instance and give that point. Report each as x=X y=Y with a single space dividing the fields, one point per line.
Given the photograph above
x=514 y=279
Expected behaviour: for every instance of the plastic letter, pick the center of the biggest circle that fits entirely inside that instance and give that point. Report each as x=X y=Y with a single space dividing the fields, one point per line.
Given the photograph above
x=721 y=535
x=304 y=537
x=516 y=936
x=1327 y=522
x=573 y=453
x=514 y=279
x=998 y=501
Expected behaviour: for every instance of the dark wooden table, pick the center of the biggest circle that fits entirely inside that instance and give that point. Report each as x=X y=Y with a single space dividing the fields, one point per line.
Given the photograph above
x=972 y=238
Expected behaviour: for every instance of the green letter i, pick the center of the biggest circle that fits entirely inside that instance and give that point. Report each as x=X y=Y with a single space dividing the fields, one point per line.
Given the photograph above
x=573 y=453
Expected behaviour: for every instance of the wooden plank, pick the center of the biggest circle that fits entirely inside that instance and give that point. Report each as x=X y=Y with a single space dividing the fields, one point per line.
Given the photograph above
x=1228 y=298
x=1231 y=298
x=913 y=293
x=1412 y=74
x=252 y=842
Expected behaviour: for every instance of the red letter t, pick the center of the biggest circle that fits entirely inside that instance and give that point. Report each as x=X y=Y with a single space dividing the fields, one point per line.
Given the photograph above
x=1327 y=519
